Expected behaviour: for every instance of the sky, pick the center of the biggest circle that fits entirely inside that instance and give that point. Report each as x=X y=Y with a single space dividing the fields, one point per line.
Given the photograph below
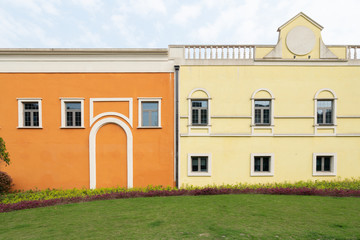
x=159 y=23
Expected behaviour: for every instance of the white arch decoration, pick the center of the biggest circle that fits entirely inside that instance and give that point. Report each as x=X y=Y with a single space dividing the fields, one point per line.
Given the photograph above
x=199 y=89
x=262 y=89
x=325 y=89
x=92 y=149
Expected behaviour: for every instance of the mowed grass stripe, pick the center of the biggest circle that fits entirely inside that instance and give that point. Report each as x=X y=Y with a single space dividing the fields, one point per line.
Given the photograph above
x=243 y=216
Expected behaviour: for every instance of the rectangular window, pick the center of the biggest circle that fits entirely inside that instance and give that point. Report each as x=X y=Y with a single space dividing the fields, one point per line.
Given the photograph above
x=262 y=112
x=150 y=114
x=324 y=112
x=29 y=113
x=262 y=164
x=324 y=164
x=199 y=112
x=199 y=164
x=72 y=112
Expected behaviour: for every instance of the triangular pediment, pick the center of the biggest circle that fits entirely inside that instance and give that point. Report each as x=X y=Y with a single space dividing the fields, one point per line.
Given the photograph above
x=301 y=15
x=300 y=38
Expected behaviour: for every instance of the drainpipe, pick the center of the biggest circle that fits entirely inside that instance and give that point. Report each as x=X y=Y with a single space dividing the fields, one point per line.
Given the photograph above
x=176 y=85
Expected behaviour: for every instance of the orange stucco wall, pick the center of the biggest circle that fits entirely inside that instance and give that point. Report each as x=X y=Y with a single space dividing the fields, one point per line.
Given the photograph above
x=53 y=157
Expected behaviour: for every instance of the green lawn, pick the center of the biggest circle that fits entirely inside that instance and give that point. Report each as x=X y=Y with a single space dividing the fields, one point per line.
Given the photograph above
x=191 y=217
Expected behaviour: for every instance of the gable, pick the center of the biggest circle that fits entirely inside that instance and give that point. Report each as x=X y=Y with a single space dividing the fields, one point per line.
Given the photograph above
x=300 y=38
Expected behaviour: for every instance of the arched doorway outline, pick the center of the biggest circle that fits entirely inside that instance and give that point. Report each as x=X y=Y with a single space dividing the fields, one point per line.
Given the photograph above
x=92 y=149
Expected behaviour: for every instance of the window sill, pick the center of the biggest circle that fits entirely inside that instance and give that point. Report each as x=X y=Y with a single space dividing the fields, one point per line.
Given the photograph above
x=29 y=127
x=199 y=125
x=261 y=175
x=324 y=174
x=199 y=174
x=262 y=125
x=149 y=127
x=325 y=125
x=72 y=127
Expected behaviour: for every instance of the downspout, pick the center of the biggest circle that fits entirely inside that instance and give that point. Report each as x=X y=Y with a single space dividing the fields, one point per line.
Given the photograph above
x=176 y=86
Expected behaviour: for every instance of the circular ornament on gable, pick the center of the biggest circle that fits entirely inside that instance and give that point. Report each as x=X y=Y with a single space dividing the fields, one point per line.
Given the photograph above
x=300 y=40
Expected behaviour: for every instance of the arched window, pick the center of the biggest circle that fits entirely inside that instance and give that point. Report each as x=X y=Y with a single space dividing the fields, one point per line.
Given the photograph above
x=325 y=106
x=262 y=107
x=199 y=107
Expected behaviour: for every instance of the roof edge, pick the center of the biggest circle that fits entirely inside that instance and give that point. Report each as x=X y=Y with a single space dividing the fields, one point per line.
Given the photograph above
x=303 y=15
x=83 y=50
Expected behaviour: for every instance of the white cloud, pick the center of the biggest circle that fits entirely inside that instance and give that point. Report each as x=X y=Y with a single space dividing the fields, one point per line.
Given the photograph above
x=125 y=29
x=142 y=23
x=89 y=5
x=143 y=7
x=187 y=13
x=37 y=6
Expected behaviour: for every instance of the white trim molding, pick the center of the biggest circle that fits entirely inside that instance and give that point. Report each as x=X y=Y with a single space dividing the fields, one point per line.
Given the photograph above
x=147 y=99
x=21 y=101
x=271 y=125
x=333 y=164
x=92 y=149
x=199 y=174
x=330 y=126
x=262 y=174
x=63 y=109
x=190 y=98
x=199 y=89
x=120 y=115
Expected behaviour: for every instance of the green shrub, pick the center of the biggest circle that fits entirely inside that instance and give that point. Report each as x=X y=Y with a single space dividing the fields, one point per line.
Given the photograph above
x=5 y=182
x=4 y=155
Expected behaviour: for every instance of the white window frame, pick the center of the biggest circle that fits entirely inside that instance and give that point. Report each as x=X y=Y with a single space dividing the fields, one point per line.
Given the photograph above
x=199 y=174
x=321 y=126
x=21 y=102
x=261 y=126
x=333 y=164
x=140 y=101
x=63 y=111
x=262 y=174
x=190 y=99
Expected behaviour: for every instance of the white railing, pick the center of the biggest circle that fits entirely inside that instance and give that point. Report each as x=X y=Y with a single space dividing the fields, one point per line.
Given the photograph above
x=353 y=52
x=199 y=52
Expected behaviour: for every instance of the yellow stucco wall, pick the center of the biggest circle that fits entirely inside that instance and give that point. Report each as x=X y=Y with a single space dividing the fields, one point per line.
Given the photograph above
x=293 y=88
x=293 y=157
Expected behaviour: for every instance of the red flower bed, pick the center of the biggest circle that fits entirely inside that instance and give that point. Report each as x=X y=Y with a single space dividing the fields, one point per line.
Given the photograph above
x=181 y=192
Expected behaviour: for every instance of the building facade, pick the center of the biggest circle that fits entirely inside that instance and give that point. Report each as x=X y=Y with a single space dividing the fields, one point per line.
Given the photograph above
x=260 y=113
x=186 y=115
x=87 y=117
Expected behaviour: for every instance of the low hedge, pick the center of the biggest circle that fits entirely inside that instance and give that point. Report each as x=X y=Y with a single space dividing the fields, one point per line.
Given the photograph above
x=35 y=198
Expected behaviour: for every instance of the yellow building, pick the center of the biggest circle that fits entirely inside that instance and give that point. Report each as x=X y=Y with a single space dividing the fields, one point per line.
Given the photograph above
x=261 y=113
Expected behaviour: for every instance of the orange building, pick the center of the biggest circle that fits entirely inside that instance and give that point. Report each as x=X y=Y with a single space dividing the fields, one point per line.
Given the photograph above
x=74 y=118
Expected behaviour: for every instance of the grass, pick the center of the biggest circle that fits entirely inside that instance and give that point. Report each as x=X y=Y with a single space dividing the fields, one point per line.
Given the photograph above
x=244 y=216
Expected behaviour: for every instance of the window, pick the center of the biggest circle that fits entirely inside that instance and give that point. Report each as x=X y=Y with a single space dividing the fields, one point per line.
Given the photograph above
x=29 y=113
x=324 y=164
x=199 y=112
x=262 y=112
x=325 y=112
x=325 y=102
x=199 y=164
x=149 y=112
x=262 y=164
x=72 y=112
